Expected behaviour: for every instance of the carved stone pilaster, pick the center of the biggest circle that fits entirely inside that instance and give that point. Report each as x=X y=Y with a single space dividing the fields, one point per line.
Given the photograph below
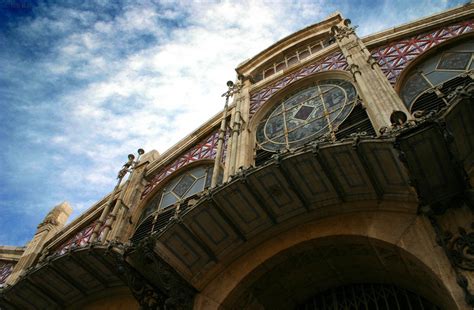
x=378 y=95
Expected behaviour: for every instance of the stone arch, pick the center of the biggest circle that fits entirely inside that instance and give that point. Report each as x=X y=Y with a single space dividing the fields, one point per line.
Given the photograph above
x=406 y=239
x=118 y=299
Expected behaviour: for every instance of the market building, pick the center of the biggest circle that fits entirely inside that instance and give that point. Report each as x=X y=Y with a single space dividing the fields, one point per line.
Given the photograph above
x=338 y=176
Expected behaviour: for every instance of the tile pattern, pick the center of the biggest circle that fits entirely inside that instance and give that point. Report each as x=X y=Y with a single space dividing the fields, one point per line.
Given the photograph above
x=6 y=269
x=395 y=56
x=206 y=149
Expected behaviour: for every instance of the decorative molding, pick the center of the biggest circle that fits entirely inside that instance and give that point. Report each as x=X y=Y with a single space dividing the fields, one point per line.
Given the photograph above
x=461 y=248
x=171 y=291
x=394 y=57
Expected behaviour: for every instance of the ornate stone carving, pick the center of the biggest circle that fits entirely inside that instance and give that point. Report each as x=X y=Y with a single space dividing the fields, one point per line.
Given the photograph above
x=354 y=69
x=466 y=91
x=342 y=32
x=178 y=294
x=147 y=296
x=460 y=252
x=461 y=248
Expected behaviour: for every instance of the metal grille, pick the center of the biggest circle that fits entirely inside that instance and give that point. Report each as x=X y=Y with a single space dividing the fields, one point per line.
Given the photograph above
x=367 y=297
x=157 y=221
x=430 y=101
x=154 y=223
x=357 y=122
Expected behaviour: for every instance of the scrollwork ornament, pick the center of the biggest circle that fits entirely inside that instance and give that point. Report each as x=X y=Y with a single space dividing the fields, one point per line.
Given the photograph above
x=466 y=91
x=462 y=249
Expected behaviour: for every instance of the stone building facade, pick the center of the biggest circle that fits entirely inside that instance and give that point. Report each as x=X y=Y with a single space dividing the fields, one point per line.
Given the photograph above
x=338 y=176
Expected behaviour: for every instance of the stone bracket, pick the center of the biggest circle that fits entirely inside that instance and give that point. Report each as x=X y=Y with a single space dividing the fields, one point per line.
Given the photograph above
x=163 y=287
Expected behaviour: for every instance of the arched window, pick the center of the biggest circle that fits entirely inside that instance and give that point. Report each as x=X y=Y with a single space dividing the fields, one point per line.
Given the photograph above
x=179 y=188
x=310 y=113
x=158 y=210
x=434 y=78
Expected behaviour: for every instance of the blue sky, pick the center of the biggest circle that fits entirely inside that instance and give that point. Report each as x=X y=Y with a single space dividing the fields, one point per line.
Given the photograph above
x=83 y=85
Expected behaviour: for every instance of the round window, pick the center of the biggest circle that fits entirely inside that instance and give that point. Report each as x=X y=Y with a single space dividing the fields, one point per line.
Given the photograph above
x=308 y=114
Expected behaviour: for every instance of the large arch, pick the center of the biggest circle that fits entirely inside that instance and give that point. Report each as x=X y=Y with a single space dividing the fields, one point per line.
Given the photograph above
x=111 y=299
x=400 y=245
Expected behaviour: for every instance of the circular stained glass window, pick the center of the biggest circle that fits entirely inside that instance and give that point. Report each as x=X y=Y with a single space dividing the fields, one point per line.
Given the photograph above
x=308 y=114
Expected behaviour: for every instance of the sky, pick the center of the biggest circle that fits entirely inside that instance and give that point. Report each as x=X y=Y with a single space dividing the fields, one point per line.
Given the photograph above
x=84 y=83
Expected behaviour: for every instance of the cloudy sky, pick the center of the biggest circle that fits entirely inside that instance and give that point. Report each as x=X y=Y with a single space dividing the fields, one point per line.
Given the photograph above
x=84 y=83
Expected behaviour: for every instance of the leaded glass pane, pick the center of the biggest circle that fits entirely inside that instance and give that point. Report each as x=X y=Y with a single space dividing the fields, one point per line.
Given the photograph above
x=183 y=185
x=334 y=98
x=198 y=172
x=454 y=61
x=167 y=200
x=274 y=126
x=180 y=187
x=197 y=187
x=435 y=71
x=304 y=112
x=439 y=77
x=414 y=86
x=152 y=206
x=306 y=115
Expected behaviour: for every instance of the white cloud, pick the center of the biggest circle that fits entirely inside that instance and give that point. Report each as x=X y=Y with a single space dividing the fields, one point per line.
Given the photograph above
x=147 y=76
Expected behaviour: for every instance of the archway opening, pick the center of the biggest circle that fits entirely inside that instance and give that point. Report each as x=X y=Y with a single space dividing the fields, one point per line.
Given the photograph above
x=299 y=277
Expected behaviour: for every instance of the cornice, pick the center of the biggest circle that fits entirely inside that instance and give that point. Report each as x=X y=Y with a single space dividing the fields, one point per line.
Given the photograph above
x=420 y=25
x=11 y=253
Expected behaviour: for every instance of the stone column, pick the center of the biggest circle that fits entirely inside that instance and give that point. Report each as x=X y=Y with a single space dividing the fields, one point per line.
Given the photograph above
x=245 y=150
x=52 y=224
x=130 y=199
x=382 y=103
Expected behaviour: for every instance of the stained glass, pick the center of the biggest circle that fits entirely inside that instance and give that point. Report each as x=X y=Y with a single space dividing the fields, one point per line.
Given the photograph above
x=304 y=112
x=334 y=98
x=183 y=185
x=436 y=70
x=454 y=61
x=274 y=126
x=306 y=115
x=167 y=200
x=415 y=85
